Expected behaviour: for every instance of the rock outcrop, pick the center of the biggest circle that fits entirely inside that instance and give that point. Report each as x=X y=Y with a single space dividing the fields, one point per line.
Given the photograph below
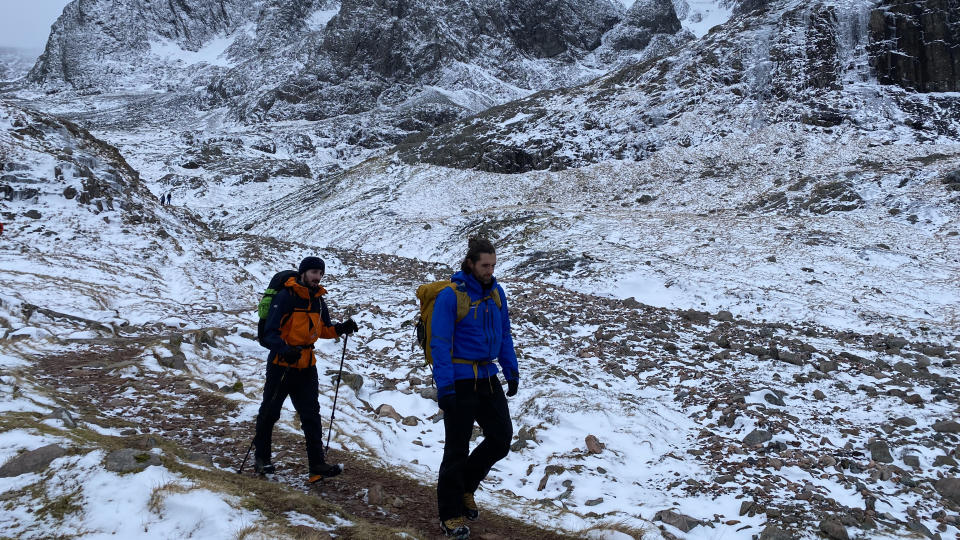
x=916 y=44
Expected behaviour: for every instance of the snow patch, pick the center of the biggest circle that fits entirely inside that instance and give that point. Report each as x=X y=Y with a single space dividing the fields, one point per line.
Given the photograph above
x=318 y=19
x=213 y=53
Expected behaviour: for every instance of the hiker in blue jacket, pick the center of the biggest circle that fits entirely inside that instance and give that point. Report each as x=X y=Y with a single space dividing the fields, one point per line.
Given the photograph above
x=468 y=388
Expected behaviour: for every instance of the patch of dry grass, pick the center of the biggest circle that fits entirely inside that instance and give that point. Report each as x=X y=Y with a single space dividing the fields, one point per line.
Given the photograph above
x=159 y=493
x=619 y=526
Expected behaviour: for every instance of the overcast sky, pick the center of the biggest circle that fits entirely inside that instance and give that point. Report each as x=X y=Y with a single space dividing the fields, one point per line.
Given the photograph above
x=26 y=23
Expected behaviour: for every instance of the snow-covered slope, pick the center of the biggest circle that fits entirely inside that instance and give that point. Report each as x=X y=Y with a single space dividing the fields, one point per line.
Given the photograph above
x=740 y=183
x=629 y=417
x=15 y=62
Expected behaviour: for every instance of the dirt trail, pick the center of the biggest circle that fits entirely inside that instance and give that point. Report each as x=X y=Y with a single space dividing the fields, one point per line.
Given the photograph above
x=168 y=406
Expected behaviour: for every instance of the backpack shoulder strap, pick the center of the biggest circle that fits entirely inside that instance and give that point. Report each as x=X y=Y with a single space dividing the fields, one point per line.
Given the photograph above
x=495 y=293
x=463 y=301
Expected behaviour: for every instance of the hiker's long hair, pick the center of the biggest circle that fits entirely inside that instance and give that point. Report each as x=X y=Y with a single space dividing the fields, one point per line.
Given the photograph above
x=475 y=248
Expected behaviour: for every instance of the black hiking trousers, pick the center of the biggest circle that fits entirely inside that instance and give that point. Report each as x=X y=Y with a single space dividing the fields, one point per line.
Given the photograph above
x=301 y=385
x=481 y=401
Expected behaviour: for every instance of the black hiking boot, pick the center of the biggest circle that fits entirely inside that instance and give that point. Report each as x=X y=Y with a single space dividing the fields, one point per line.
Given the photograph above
x=263 y=466
x=324 y=470
x=470 y=510
x=455 y=528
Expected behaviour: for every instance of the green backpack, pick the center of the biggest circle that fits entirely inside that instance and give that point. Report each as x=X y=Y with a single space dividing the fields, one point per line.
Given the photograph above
x=427 y=295
x=263 y=308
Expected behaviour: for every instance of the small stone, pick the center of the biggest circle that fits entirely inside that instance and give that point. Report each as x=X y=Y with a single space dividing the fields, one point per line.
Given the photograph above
x=428 y=393
x=772 y=532
x=819 y=395
x=880 y=451
x=834 y=529
x=941 y=461
x=594 y=446
x=757 y=436
x=745 y=507
x=724 y=316
x=64 y=416
x=388 y=411
x=905 y=421
x=178 y=361
x=129 y=460
x=827 y=366
x=790 y=358
x=947 y=426
x=949 y=488
x=594 y=502
x=911 y=460
x=903 y=368
x=411 y=420
x=913 y=399
x=774 y=399
x=376 y=495
x=683 y=522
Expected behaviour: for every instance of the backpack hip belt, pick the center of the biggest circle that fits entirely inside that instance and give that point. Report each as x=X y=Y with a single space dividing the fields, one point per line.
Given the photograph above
x=476 y=365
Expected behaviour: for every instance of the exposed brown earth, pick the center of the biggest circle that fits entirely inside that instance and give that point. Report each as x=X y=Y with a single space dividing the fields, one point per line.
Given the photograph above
x=169 y=406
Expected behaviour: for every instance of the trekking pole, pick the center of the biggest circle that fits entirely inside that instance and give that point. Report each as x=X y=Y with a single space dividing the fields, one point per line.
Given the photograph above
x=336 y=393
x=275 y=394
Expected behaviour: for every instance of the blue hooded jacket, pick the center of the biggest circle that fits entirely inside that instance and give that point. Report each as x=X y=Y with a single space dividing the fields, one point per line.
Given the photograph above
x=484 y=335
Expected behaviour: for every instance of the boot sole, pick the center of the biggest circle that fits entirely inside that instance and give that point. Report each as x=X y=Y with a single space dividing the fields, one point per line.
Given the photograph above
x=331 y=474
x=450 y=534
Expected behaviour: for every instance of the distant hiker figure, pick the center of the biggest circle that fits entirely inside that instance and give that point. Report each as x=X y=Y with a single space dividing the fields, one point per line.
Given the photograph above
x=296 y=319
x=169 y=196
x=468 y=389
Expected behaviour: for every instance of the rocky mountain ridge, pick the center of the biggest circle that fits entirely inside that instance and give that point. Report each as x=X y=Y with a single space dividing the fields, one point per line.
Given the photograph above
x=789 y=62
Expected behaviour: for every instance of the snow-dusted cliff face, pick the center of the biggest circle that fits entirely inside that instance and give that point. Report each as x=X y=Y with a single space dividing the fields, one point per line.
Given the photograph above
x=795 y=61
x=98 y=44
x=289 y=59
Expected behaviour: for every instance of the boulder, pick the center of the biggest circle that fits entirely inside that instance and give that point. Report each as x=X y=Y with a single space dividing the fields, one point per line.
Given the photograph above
x=949 y=488
x=32 y=461
x=772 y=532
x=757 y=436
x=834 y=529
x=130 y=460
x=388 y=411
x=683 y=522
x=915 y=44
x=947 y=426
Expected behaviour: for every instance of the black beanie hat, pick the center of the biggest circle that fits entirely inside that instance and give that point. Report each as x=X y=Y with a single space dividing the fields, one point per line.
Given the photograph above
x=312 y=263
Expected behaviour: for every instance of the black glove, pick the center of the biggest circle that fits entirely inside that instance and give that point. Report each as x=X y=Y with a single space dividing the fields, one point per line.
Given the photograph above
x=512 y=387
x=291 y=355
x=348 y=327
x=448 y=403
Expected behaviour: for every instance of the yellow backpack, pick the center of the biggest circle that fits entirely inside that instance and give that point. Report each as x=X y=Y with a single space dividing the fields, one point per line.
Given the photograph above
x=427 y=295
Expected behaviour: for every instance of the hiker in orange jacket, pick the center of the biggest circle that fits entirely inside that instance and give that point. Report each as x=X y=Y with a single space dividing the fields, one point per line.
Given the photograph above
x=298 y=317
